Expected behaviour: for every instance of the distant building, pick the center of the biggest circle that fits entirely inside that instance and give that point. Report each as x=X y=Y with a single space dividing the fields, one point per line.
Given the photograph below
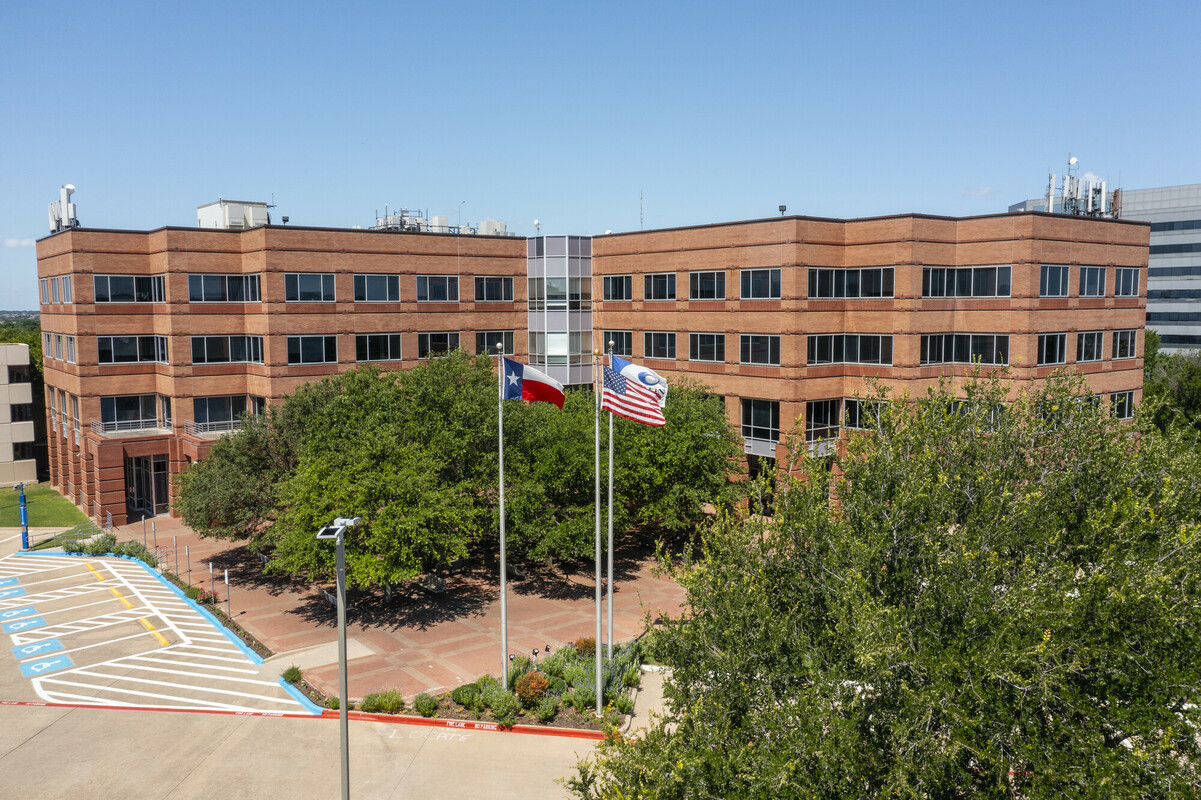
x=17 y=463
x=1174 y=273
x=156 y=342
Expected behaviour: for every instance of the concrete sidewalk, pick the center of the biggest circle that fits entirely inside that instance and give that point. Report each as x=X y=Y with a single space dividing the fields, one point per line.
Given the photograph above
x=419 y=642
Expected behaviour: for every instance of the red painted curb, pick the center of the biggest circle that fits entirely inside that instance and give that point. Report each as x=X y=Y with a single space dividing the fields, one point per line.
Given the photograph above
x=395 y=719
x=470 y=725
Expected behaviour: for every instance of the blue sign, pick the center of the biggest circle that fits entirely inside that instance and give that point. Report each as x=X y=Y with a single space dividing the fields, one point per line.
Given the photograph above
x=23 y=625
x=17 y=591
x=41 y=648
x=13 y=613
x=33 y=669
x=8 y=581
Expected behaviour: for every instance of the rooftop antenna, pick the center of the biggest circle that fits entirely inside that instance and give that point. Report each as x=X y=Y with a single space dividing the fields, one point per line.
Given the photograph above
x=783 y=208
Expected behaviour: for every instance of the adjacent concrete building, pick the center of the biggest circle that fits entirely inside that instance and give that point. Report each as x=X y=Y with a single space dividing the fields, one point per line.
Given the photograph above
x=17 y=462
x=156 y=341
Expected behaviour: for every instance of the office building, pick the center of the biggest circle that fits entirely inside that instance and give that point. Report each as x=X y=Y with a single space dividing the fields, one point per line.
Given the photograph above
x=157 y=341
x=17 y=463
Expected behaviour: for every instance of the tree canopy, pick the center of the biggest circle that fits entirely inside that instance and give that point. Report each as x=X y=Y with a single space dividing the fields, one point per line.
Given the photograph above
x=1172 y=383
x=415 y=454
x=964 y=603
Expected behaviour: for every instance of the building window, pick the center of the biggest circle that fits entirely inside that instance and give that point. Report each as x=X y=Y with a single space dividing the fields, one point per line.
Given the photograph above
x=988 y=281
x=821 y=419
x=308 y=287
x=430 y=345
x=66 y=293
x=62 y=410
x=863 y=282
x=757 y=349
x=1052 y=348
x=1123 y=404
x=312 y=349
x=618 y=287
x=54 y=290
x=1123 y=343
x=706 y=286
x=47 y=345
x=377 y=347
x=1125 y=282
x=127 y=412
x=623 y=342
x=19 y=373
x=964 y=348
x=579 y=291
x=437 y=289
x=849 y=348
x=493 y=290
x=761 y=420
x=223 y=288
x=706 y=347
x=486 y=341
x=69 y=350
x=223 y=413
x=376 y=288
x=859 y=414
x=227 y=349
x=1053 y=281
x=1088 y=346
x=659 y=286
x=58 y=347
x=129 y=288
x=659 y=344
x=44 y=291
x=1092 y=281
x=21 y=412
x=22 y=451
x=131 y=349
x=761 y=284
x=75 y=413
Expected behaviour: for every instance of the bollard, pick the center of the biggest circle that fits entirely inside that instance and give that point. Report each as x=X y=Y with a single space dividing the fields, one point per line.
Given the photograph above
x=227 y=595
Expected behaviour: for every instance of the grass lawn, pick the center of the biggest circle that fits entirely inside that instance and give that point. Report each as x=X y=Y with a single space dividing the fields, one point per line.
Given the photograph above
x=47 y=508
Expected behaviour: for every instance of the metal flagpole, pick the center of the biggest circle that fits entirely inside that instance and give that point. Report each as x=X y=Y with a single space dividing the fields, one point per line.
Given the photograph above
x=596 y=435
x=610 y=639
x=504 y=612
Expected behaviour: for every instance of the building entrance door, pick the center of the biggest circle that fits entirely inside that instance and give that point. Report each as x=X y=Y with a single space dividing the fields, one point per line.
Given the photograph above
x=147 y=485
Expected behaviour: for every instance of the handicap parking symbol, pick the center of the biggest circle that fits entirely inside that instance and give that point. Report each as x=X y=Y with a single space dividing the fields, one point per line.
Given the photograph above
x=13 y=613
x=15 y=591
x=22 y=624
x=33 y=669
x=44 y=647
x=8 y=582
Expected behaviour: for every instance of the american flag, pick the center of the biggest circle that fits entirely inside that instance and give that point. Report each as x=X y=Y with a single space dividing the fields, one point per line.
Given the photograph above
x=627 y=399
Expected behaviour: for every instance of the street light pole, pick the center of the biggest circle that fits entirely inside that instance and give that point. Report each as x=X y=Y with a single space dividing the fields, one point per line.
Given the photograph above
x=337 y=531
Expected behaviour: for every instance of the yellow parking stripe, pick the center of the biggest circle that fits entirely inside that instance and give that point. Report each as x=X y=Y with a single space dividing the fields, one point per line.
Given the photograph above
x=153 y=632
x=99 y=577
x=117 y=595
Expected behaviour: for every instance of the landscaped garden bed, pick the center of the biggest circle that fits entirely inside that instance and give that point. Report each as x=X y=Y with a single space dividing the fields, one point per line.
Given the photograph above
x=557 y=690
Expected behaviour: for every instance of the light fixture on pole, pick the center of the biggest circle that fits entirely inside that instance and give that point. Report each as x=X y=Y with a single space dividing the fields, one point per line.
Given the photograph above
x=337 y=531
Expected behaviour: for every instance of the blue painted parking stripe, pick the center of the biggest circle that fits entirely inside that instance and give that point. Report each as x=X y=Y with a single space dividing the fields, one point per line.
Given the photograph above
x=41 y=648
x=23 y=625
x=13 y=613
x=14 y=592
x=9 y=582
x=32 y=669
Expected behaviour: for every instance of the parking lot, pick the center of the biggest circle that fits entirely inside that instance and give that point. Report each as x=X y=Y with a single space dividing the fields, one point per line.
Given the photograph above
x=109 y=631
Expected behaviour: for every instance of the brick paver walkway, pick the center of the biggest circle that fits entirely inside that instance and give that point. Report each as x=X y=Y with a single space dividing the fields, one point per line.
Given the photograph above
x=418 y=642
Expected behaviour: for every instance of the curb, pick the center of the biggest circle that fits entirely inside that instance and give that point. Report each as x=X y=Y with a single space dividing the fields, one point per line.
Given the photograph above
x=470 y=725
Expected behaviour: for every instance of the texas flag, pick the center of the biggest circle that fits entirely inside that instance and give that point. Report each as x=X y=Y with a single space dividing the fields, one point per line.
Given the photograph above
x=523 y=382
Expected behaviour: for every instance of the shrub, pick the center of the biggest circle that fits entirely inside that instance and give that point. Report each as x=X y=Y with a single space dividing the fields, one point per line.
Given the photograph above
x=554 y=663
x=192 y=592
x=505 y=706
x=389 y=701
x=547 y=708
x=531 y=687
x=487 y=681
x=205 y=596
x=426 y=705
x=101 y=544
x=558 y=686
x=519 y=668
x=331 y=702
x=586 y=646
x=466 y=694
x=583 y=700
x=624 y=703
x=291 y=674
x=579 y=676
x=632 y=677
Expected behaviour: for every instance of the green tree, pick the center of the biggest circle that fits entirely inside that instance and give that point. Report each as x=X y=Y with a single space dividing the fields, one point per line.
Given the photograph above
x=992 y=606
x=415 y=455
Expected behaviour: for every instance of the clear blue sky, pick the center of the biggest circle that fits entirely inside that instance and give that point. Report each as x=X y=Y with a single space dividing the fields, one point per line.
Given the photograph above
x=567 y=112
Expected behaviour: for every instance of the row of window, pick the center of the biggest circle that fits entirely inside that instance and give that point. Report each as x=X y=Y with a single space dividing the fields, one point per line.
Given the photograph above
x=756 y=284
x=1053 y=281
x=1176 y=225
x=298 y=288
x=1175 y=249
x=64 y=412
x=1175 y=294
x=59 y=346
x=1090 y=346
x=55 y=290
x=824 y=418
